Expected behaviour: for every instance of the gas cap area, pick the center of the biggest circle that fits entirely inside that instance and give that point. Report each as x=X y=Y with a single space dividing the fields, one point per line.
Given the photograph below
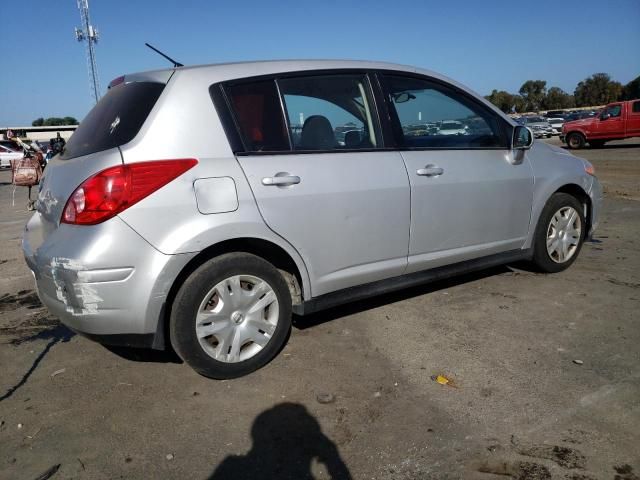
x=216 y=195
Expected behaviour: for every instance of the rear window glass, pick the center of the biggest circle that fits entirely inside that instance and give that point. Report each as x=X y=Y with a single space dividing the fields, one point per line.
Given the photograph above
x=258 y=112
x=115 y=120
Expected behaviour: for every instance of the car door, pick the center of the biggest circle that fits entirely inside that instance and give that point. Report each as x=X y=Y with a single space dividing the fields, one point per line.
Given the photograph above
x=610 y=122
x=633 y=119
x=315 y=163
x=471 y=196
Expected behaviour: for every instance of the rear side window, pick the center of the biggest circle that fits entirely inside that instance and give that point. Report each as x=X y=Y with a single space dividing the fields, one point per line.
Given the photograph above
x=115 y=120
x=636 y=107
x=258 y=113
x=329 y=112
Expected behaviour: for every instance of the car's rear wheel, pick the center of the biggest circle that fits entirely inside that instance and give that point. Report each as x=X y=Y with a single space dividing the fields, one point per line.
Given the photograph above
x=575 y=140
x=560 y=233
x=231 y=316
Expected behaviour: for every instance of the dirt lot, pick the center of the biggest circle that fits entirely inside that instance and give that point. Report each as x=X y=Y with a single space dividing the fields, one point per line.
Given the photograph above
x=547 y=373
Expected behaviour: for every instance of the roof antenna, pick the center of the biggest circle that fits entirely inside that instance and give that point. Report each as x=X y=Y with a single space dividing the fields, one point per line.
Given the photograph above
x=175 y=64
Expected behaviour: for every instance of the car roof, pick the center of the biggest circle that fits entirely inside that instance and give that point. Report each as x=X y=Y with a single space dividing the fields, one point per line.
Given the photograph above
x=233 y=70
x=221 y=72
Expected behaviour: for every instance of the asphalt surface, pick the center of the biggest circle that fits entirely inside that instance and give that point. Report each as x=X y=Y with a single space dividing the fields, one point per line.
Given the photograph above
x=545 y=372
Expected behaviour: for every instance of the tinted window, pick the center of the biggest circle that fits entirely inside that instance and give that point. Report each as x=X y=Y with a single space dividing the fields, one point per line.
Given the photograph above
x=329 y=112
x=115 y=120
x=614 y=110
x=636 y=107
x=258 y=113
x=434 y=116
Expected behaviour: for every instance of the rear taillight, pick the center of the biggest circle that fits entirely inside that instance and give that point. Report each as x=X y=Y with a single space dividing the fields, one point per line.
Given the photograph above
x=115 y=189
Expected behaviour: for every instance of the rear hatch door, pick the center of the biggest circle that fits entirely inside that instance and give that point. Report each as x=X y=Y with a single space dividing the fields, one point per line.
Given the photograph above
x=94 y=146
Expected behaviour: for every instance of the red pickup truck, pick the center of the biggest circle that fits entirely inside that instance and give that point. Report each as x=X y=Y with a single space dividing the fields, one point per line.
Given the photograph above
x=616 y=121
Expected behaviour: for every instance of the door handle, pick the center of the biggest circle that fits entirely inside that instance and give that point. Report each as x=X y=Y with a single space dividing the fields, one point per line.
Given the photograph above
x=430 y=171
x=281 y=179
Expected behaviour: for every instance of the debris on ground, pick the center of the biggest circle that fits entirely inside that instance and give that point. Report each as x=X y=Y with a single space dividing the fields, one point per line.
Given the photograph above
x=578 y=362
x=442 y=380
x=58 y=372
x=49 y=473
x=169 y=456
x=325 y=398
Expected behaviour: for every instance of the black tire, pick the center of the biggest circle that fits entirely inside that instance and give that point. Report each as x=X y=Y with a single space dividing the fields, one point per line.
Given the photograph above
x=193 y=292
x=541 y=258
x=575 y=140
x=596 y=143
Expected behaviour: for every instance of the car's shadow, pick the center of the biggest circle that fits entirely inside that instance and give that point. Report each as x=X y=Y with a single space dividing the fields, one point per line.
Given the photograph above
x=315 y=319
x=145 y=355
x=611 y=147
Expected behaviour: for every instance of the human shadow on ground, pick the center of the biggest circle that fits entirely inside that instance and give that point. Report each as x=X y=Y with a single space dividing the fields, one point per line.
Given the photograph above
x=287 y=440
x=57 y=334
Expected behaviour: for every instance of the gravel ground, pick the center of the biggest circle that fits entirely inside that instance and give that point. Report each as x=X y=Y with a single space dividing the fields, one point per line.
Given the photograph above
x=545 y=370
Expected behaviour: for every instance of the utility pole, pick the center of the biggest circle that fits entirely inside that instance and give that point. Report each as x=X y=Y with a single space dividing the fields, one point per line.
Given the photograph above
x=89 y=33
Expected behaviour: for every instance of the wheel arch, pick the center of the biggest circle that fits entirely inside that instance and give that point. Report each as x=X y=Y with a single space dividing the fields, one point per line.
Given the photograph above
x=583 y=197
x=294 y=275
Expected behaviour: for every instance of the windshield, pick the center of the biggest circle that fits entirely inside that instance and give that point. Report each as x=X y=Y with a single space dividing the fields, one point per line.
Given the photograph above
x=115 y=120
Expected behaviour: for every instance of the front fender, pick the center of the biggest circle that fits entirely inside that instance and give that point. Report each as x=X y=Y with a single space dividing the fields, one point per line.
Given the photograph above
x=553 y=169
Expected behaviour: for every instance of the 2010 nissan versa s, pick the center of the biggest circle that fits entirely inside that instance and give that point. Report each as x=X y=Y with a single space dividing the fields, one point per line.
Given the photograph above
x=202 y=206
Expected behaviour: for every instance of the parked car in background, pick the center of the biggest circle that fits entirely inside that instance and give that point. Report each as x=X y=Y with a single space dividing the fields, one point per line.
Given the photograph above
x=183 y=211
x=8 y=154
x=452 y=127
x=616 y=121
x=556 y=124
x=539 y=125
x=556 y=114
x=579 y=115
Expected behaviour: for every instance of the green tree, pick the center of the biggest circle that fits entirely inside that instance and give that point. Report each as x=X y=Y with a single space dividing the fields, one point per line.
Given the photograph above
x=506 y=101
x=70 y=121
x=557 y=98
x=598 y=89
x=38 y=122
x=533 y=92
x=631 y=90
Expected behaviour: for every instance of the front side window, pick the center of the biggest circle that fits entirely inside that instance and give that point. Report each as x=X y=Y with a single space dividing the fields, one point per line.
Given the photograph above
x=614 y=110
x=329 y=112
x=434 y=116
x=256 y=107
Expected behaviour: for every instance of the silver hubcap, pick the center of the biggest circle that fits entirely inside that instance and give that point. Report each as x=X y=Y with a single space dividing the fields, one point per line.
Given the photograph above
x=237 y=318
x=563 y=234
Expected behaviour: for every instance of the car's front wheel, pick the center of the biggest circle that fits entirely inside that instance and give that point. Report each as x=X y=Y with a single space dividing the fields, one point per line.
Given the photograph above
x=231 y=316
x=560 y=233
x=575 y=140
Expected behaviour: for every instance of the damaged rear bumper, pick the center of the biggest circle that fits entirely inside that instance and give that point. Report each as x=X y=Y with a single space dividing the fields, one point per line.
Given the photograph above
x=102 y=281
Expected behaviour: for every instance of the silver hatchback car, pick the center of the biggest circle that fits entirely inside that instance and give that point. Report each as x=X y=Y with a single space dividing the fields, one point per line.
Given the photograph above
x=200 y=207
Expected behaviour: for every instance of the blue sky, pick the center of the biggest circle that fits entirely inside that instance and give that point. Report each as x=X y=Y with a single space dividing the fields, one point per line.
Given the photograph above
x=483 y=44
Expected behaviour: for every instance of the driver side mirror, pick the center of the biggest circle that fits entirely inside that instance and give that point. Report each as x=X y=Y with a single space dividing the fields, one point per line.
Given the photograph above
x=604 y=116
x=522 y=138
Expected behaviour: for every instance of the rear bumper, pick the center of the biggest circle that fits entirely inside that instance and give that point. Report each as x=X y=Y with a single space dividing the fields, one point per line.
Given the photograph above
x=102 y=280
